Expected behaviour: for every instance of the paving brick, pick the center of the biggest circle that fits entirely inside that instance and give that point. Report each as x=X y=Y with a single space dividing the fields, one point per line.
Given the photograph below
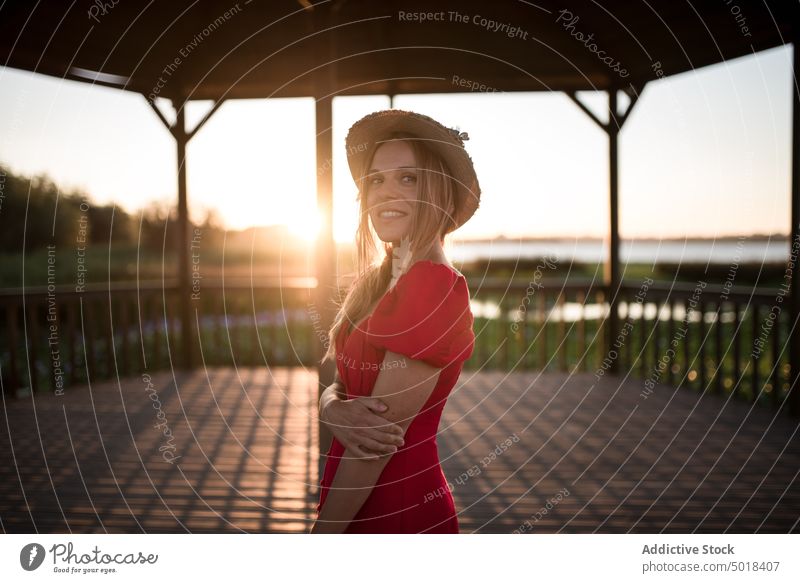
x=89 y=461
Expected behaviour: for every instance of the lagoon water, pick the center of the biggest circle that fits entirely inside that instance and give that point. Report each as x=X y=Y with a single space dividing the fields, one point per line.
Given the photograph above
x=742 y=250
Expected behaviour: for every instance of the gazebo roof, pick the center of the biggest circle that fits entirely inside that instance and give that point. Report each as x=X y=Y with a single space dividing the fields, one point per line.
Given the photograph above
x=254 y=49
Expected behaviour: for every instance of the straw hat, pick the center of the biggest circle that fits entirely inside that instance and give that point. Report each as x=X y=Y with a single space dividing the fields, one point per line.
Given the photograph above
x=447 y=142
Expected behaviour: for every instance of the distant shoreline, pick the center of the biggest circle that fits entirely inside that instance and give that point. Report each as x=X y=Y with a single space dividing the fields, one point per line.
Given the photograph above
x=281 y=232
x=753 y=237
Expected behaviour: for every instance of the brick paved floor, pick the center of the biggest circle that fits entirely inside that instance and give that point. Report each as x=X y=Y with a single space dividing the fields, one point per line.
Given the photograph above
x=671 y=462
x=578 y=456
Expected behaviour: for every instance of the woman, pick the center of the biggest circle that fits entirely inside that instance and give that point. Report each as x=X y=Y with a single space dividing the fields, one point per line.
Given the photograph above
x=402 y=333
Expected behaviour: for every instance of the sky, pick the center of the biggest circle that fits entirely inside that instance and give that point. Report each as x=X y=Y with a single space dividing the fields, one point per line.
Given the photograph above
x=704 y=153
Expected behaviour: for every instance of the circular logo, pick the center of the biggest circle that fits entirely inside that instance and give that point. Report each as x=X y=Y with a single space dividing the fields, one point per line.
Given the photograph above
x=31 y=556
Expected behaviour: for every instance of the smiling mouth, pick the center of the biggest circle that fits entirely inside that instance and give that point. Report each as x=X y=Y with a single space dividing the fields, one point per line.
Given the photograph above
x=389 y=215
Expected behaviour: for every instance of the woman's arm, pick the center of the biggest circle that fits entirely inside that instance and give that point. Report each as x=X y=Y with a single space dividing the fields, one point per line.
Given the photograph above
x=404 y=385
x=332 y=393
x=358 y=423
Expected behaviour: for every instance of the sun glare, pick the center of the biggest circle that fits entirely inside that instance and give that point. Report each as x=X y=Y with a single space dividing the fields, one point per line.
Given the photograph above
x=305 y=225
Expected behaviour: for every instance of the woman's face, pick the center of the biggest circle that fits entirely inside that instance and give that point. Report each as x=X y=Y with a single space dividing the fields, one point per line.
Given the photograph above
x=392 y=190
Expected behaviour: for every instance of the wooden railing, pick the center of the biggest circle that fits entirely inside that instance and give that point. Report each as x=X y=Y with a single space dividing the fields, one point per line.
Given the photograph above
x=701 y=337
x=58 y=338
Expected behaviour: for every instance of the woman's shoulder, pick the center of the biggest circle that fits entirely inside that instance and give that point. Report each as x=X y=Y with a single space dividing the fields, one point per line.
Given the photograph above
x=425 y=316
x=429 y=282
x=427 y=289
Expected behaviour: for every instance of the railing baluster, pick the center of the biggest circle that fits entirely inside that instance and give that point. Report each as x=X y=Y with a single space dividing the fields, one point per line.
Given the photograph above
x=754 y=358
x=13 y=341
x=654 y=335
x=602 y=329
x=157 y=317
x=643 y=340
x=88 y=330
x=273 y=334
x=776 y=362
x=125 y=324
x=737 y=350
x=702 y=346
x=254 y=334
x=502 y=335
x=687 y=339
x=70 y=330
x=582 y=360
x=719 y=371
x=33 y=345
x=108 y=322
x=562 y=332
x=173 y=321
x=215 y=355
x=234 y=345
x=671 y=334
x=247 y=332
x=526 y=339
x=138 y=330
x=542 y=330
x=626 y=351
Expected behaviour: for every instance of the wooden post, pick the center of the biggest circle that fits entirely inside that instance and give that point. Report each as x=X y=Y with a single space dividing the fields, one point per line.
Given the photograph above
x=611 y=271
x=793 y=394
x=325 y=246
x=182 y=137
x=611 y=274
x=184 y=269
x=324 y=256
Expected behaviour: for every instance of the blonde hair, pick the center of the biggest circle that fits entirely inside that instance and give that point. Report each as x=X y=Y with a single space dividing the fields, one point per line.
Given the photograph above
x=432 y=219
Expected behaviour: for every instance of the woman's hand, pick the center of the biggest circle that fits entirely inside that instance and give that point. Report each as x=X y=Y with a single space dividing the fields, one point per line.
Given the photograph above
x=357 y=424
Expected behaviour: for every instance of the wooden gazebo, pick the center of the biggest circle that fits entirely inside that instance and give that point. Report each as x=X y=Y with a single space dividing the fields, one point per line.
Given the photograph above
x=185 y=51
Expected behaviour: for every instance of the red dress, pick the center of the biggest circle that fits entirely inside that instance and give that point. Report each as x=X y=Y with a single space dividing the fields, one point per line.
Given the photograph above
x=425 y=316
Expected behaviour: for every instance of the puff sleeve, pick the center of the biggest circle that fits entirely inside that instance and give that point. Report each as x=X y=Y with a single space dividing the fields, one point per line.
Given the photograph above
x=425 y=316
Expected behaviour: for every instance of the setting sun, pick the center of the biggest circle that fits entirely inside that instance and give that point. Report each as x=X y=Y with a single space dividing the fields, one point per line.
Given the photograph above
x=305 y=225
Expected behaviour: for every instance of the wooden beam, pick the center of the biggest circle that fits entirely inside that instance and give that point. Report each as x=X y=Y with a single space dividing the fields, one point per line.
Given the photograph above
x=633 y=94
x=574 y=97
x=206 y=117
x=160 y=115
